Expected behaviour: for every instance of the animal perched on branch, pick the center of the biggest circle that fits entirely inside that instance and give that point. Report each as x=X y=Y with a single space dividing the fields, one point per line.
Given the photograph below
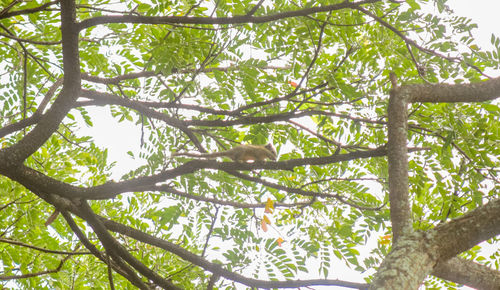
x=240 y=153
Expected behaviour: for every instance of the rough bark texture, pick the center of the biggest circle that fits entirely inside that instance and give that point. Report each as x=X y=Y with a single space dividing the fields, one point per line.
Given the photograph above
x=452 y=93
x=408 y=264
x=463 y=233
x=398 y=164
x=468 y=273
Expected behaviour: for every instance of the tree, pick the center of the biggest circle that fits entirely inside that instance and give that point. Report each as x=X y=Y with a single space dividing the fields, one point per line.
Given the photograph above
x=383 y=114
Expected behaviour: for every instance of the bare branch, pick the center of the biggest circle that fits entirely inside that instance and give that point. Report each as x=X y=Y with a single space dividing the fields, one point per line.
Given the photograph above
x=18 y=243
x=255 y=8
x=30 y=40
x=30 y=275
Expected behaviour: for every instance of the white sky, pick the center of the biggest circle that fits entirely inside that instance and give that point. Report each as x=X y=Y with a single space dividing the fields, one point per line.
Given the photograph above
x=485 y=13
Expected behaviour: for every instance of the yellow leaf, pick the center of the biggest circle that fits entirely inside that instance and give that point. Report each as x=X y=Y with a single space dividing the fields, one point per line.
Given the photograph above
x=385 y=240
x=266 y=219
x=279 y=241
x=269 y=206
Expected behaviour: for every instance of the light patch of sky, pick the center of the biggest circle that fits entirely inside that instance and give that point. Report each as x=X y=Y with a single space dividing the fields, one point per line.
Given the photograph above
x=482 y=12
x=485 y=14
x=107 y=132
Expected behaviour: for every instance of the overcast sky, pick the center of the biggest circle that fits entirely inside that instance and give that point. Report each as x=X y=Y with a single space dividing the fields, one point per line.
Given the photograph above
x=486 y=14
x=483 y=12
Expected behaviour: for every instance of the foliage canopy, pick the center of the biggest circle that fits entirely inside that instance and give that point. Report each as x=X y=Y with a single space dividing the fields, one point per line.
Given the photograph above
x=311 y=77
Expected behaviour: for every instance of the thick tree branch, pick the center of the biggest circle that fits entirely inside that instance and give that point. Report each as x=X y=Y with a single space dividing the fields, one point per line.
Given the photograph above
x=220 y=20
x=64 y=102
x=14 y=127
x=463 y=233
x=424 y=250
x=39 y=183
x=452 y=93
x=118 y=265
x=469 y=273
x=118 y=251
x=410 y=261
x=397 y=154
